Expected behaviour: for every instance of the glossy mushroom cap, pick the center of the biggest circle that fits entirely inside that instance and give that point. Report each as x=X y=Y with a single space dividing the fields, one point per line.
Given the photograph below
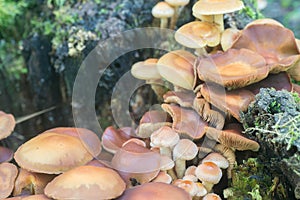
x=86 y=182
x=198 y=34
x=7 y=124
x=52 y=153
x=164 y=137
x=185 y=149
x=146 y=70
x=228 y=37
x=8 y=174
x=157 y=191
x=177 y=68
x=209 y=172
x=162 y=10
x=218 y=159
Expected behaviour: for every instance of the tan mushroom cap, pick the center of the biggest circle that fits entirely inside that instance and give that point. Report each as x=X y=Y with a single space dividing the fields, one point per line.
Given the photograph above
x=182 y=98
x=218 y=159
x=280 y=53
x=31 y=183
x=134 y=161
x=6 y=154
x=177 y=68
x=162 y=10
x=228 y=37
x=88 y=138
x=146 y=70
x=231 y=139
x=86 y=182
x=213 y=7
x=157 y=191
x=233 y=68
x=164 y=137
x=186 y=121
x=265 y=21
x=177 y=2
x=7 y=124
x=198 y=34
x=212 y=196
x=8 y=174
x=163 y=177
x=52 y=153
x=209 y=174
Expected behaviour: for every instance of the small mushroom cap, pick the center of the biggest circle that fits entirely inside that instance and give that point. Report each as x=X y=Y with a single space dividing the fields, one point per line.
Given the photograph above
x=177 y=2
x=8 y=174
x=209 y=172
x=177 y=68
x=212 y=196
x=7 y=124
x=233 y=68
x=164 y=137
x=6 y=154
x=52 y=153
x=157 y=191
x=162 y=10
x=201 y=190
x=213 y=7
x=88 y=138
x=146 y=70
x=189 y=186
x=198 y=34
x=166 y=163
x=163 y=177
x=185 y=149
x=218 y=159
x=228 y=37
x=86 y=182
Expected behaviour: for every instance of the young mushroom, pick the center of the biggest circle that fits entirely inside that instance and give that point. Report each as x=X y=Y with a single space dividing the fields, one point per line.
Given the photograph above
x=177 y=5
x=7 y=124
x=163 y=11
x=218 y=159
x=209 y=174
x=184 y=150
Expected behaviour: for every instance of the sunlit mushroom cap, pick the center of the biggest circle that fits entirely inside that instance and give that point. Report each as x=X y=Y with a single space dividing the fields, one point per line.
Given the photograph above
x=177 y=2
x=6 y=154
x=8 y=174
x=213 y=7
x=281 y=53
x=209 y=172
x=218 y=159
x=233 y=68
x=198 y=34
x=162 y=10
x=265 y=21
x=228 y=37
x=146 y=70
x=86 y=182
x=7 y=124
x=52 y=153
x=185 y=149
x=157 y=191
x=164 y=137
x=88 y=138
x=177 y=68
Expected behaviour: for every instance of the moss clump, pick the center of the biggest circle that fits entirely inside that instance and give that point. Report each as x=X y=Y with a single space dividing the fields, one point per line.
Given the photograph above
x=274 y=116
x=251 y=181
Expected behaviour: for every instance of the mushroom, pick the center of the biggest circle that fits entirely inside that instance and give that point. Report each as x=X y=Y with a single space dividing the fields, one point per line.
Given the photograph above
x=177 y=5
x=63 y=151
x=209 y=174
x=216 y=8
x=232 y=102
x=184 y=150
x=182 y=98
x=233 y=68
x=163 y=11
x=211 y=196
x=231 y=139
x=177 y=68
x=189 y=174
x=228 y=37
x=8 y=174
x=157 y=191
x=218 y=159
x=189 y=186
x=163 y=177
x=7 y=124
x=186 y=121
x=228 y=153
x=197 y=35
x=280 y=53
x=30 y=197
x=165 y=138
x=135 y=162
x=201 y=191
x=31 y=183
x=152 y=121
x=167 y=164
x=86 y=182
x=6 y=154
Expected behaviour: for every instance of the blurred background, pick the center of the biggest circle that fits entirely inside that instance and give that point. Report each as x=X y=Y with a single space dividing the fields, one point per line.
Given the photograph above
x=43 y=42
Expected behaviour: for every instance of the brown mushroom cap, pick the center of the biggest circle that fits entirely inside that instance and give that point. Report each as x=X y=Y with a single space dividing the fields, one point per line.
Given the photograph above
x=31 y=183
x=7 y=124
x=183 y=98
x=265 y=21
x=157 y=191
x=198 y=34
x=8 y=174
x=52 y=153
x=177 y=68
x=281 y=53
x=6 y=154
x=212 y=7
x=146 y=70
x=233 y=68
x=186 y=121
x=86 y=182
x=88 y=138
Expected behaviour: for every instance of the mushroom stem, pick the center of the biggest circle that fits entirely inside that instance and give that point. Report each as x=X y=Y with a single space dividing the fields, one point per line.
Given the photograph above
x=165 y=151
x=207 y=18
x=163 y=22
x=218 y=19
x=180 y=166
x=174 y=17
x=172 y=173
x=201 y=51
x=208 y=186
